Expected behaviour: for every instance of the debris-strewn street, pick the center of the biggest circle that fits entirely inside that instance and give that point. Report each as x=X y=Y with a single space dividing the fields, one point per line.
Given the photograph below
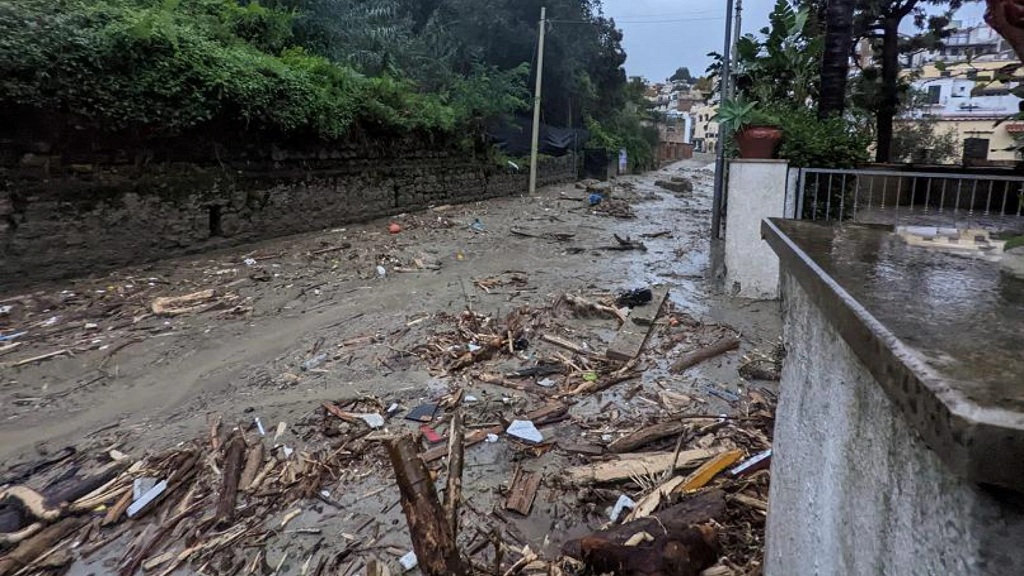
x=245 y=411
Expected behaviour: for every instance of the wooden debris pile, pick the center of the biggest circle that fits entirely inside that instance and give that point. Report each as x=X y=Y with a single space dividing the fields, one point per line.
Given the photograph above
x=664 y=484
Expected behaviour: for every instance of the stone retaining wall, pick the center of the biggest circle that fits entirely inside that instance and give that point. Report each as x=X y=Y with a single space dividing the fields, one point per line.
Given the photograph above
x=63 y=217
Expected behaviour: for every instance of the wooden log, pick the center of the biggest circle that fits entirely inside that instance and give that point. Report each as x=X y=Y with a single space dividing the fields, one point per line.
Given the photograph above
x=661 y=556
x=234 y=453
x=253 y=463
x=477 y=436
x=523 y=491
x=685 y=552
x=436 y=550
x=453 y=489
x=646 y=435
x=691 y=359
x=641 y=464
x=33 y=547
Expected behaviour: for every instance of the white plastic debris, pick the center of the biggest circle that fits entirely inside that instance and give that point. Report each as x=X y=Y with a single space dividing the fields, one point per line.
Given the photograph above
x=372 y=420
x=546 y=383
x=142 y=485
x=408 y=561
x=606 y=437
x=473 y=347
x=249 y=261
x=470 y=398
x=382 y=272
x=6 y=309
x=624 y=502
x=287 y=451
x=259 y=426
x=492 y=438
x=150 y=495
x=525 y=430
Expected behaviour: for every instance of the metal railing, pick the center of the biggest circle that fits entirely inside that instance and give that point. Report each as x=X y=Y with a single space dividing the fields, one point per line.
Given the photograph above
x=893 y=197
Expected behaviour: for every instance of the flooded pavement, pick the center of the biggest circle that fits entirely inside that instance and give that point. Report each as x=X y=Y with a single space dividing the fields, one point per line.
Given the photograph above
x=363 y=319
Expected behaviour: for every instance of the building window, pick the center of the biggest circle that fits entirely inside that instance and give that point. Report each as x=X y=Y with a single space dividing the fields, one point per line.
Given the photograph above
x=972 y=75
x=945 y=74
x=934 y=94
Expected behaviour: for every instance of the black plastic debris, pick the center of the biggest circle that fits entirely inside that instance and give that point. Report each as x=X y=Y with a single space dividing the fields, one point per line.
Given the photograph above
x=635 y=297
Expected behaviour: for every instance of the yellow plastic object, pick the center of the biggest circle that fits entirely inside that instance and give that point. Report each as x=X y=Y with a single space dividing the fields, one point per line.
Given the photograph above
x=706 y=473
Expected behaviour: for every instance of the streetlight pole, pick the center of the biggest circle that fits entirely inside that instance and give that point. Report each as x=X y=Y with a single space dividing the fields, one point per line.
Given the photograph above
x=723 y=131
x=535 y=142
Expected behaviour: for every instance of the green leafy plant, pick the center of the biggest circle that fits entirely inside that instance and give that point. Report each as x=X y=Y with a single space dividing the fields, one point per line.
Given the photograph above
x=810 y=142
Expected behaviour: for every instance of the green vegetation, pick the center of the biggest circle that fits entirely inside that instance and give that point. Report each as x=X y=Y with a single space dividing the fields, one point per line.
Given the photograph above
x=308 y=68
x=777 y=84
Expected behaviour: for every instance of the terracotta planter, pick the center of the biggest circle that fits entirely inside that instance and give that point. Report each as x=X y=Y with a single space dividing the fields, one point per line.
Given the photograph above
x=758 y=142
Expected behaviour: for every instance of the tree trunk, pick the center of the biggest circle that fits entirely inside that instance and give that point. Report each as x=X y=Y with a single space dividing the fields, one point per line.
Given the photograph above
x=432 y=538
x=835 y=64
x=890 y=87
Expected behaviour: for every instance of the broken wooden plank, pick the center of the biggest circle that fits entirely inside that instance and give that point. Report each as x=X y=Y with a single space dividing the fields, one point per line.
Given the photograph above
x=755 y=503
x=475 y=437
x=558 y=341
x=523 y=491
x=234 y=453
x=38 y=358
x=691 y=359
x=634 y=332
x=453 y=488
x=178 y=305
x=436 y=550
x=253 y=463
x=646 y=315
x=585 y=449
x=694 y=481
x=641 y=464
x=646 y=435
x=33 y=547
x=701 y=476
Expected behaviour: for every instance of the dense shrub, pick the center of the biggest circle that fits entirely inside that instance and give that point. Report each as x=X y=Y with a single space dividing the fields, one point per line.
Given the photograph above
x=810 y=142
x=170 y=66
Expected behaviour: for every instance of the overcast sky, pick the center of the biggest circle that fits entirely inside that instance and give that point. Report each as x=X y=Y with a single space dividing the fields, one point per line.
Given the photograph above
x=662 y=35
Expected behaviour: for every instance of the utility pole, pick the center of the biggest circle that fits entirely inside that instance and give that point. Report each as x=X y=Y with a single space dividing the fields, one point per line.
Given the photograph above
x=736 y=34
x=536 y=102
x=723 y=133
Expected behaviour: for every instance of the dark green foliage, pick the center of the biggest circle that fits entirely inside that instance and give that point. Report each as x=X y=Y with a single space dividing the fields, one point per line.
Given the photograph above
x=813 y=143
x=166 y=67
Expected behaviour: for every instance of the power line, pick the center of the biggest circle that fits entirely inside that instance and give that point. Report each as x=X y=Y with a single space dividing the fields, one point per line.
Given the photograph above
x=642 y=21
x=670 y=21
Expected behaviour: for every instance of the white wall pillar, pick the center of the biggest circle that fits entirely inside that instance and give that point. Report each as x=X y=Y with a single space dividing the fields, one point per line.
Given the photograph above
x=757 y=190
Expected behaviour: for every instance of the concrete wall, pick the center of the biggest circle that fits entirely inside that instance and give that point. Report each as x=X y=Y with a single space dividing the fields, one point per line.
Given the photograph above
x=854 y=490
x=61 y=218
x=757 y=190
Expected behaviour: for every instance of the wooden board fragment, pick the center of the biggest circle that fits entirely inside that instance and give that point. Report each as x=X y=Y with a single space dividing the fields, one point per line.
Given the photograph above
x=701 y=476
x=646 y=315
x=646 y=435
x=647 y=464
x=634 y=332
x=523 y=491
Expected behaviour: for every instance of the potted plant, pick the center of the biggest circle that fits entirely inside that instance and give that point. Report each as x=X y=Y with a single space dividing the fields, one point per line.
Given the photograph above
x=757 y=133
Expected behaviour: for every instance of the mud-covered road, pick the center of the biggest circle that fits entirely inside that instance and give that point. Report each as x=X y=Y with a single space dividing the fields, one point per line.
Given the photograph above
x=125 y=377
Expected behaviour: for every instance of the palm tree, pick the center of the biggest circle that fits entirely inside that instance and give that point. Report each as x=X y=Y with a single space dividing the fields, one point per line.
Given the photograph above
x=835 y=63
